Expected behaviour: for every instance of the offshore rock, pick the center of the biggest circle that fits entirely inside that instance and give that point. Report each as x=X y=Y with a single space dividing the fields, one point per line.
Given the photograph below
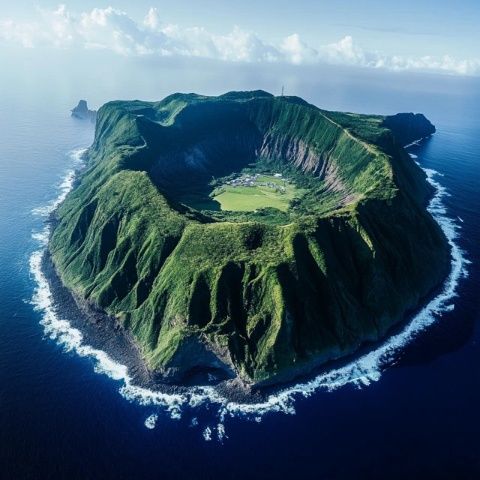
x=82 y=112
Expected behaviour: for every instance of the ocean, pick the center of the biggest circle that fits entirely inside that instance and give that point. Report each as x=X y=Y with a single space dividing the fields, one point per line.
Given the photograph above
x=408 y=407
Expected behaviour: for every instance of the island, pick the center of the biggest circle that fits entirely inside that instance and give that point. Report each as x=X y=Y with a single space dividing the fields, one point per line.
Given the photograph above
x=82 y=112
x=247 y=237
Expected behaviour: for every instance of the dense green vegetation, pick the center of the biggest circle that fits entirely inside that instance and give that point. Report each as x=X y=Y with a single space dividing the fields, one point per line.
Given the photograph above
x=264 y=293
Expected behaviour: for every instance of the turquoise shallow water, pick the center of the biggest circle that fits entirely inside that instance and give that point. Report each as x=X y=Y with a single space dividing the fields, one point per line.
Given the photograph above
x=408 y=410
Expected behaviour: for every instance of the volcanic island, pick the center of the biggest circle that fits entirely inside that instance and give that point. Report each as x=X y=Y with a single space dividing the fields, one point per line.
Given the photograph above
x=248 y=238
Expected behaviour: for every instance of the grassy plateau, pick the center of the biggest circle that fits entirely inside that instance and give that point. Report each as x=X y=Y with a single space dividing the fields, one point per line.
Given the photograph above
x=266 y=192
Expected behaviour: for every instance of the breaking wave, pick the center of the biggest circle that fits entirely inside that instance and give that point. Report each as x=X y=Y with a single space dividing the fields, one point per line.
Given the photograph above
x=360 y=372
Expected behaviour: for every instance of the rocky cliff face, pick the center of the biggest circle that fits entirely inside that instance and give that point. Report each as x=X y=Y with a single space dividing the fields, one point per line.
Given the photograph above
x=259 y=301
x=408 y=127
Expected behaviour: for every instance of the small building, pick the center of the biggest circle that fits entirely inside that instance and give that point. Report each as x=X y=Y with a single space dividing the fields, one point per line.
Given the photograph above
x=278 y=175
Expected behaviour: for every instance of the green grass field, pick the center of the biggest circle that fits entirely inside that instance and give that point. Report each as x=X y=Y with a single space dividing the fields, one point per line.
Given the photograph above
x=246 y=199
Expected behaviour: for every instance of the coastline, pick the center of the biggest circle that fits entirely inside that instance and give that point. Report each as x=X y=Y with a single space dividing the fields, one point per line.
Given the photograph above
x=99 y=330
x=103 y=332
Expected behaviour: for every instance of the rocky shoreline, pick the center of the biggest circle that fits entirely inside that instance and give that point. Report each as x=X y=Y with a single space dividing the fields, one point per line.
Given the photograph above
x=103 y=332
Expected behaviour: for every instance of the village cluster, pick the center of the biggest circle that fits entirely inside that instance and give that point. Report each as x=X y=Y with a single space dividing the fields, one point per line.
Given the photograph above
x=253 y=181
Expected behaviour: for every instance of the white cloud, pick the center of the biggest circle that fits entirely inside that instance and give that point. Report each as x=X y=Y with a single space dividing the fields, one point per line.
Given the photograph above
x=112 y=29
x=345 y=51
x=244 y=46
x=152 y=19
x=23 y=35
x=61 y=26
x=298 y=52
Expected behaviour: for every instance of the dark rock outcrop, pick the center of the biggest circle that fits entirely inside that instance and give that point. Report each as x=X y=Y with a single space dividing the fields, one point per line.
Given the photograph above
x=82 y=112
x=409 y=127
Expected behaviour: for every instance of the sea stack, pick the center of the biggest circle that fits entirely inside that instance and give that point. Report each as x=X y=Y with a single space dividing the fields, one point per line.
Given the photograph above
x=82 y=112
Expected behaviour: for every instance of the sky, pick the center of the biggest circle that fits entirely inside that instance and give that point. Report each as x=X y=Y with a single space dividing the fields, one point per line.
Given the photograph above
x=439 y=36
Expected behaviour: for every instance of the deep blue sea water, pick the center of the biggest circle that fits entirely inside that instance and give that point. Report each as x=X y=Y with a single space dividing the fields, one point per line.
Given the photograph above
x=412 y=411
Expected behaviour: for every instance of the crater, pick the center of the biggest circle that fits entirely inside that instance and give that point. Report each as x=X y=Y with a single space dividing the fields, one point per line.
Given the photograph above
x=232 y=164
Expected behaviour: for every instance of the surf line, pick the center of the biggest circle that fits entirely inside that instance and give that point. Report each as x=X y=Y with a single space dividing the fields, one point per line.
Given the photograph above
x=360 y=372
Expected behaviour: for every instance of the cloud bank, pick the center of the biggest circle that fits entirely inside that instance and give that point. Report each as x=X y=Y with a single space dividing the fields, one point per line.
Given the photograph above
x=113 y=30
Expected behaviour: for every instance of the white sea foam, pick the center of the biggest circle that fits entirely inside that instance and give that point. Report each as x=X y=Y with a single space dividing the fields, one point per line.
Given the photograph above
x=65 y=185
x=194 y=422
x=361 y=372
x=415 y=143
x=207 y=434
x=221 y=435
x=151 y=421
